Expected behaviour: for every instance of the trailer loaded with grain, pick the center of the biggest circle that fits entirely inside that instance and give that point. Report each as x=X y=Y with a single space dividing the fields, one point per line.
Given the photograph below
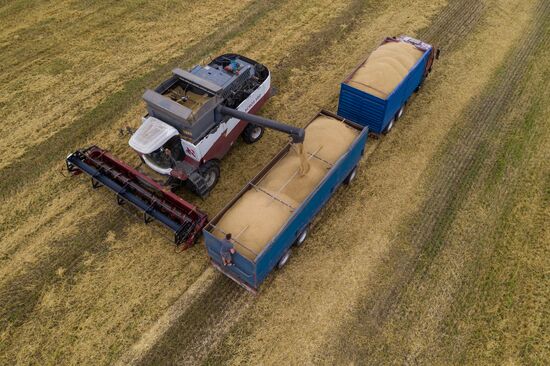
x=376 y=92
x=255 y=232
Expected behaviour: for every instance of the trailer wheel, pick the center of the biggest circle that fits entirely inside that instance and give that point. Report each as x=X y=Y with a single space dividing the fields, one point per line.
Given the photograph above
x=351 y=176
x=284 y=259
x=389 y=126
x=400 y=112
x=210 y=172
x=252 y=133
x=302 y=237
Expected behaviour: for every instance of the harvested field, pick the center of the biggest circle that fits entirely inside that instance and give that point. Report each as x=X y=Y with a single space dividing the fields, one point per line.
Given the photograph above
x=436 y=255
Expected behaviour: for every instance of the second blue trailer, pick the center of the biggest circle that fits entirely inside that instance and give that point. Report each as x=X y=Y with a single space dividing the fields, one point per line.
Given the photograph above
x=379 y=114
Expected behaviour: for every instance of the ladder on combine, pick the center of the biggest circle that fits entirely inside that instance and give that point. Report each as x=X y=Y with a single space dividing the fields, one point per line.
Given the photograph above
x=145 y=194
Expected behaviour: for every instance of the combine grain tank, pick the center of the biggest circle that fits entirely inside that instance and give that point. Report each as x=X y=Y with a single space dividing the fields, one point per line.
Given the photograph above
x=376 y=92
x=273 y=212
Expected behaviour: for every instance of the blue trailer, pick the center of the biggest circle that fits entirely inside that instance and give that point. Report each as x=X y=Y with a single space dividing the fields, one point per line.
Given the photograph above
x=380 y=113
x=250 y=273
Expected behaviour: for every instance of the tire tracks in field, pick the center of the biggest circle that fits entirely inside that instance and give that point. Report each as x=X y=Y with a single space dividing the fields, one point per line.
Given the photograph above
x=453 y=24
x=183 y=342
x=462 y=161
x=47 y=154
x=201 y=325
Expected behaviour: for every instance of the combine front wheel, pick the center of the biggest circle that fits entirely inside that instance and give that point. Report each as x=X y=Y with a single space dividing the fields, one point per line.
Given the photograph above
x=210 y=172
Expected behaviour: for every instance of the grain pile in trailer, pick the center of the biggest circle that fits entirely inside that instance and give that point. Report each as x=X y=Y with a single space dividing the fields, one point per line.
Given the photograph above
x=385 y=68
x=261 y=213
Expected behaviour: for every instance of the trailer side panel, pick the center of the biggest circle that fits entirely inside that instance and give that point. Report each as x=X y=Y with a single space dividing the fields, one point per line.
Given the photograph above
x=271 y=255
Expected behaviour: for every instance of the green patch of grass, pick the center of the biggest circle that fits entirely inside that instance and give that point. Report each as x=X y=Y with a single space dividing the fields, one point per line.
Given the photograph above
x=507 y=281
x=515 y=150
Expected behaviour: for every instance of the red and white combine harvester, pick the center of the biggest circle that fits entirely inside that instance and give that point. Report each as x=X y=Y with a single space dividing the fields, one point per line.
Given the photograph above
x=192 y=120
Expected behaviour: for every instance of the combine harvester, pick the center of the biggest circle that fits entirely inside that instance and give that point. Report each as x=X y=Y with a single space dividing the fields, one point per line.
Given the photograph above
x=193 y=119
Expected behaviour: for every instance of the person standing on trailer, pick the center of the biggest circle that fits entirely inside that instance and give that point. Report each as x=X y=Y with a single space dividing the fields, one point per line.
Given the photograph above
x=227 y=250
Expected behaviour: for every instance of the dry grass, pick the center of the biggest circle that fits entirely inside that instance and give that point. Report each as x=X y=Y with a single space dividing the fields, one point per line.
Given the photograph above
x=80 y=283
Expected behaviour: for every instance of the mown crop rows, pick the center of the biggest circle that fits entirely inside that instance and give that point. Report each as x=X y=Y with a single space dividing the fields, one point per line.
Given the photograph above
x=82 y=282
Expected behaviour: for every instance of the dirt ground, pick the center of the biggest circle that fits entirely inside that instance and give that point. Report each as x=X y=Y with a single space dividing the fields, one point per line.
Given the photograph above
x=436 y=255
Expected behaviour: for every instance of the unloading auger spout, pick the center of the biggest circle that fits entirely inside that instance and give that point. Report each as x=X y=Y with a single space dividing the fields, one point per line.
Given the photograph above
x=297 y=134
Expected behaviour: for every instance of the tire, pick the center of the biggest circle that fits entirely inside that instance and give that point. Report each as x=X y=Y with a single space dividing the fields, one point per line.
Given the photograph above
x=210 y=171
x=252 y=133
x=284 y=259
x=389 y=127
x=351 y=176
x=400 y=112
x=302 y=237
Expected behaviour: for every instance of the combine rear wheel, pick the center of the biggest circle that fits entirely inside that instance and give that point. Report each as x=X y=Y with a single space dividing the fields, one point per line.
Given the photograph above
x=252 y=133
